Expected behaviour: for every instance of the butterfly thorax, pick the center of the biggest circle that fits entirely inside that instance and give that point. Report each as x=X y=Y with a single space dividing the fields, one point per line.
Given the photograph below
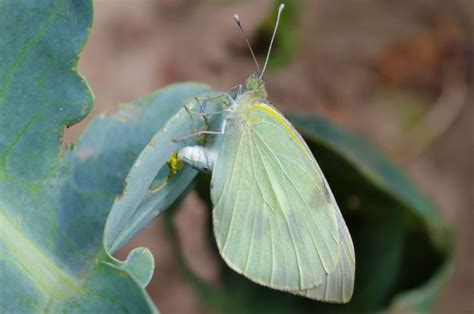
x=254 y=91
x=254 y=94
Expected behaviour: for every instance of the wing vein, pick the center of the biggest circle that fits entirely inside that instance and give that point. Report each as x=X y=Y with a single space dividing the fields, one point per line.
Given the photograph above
x=304 y=202
x=285 y=182
x=235 y=200
x=249 y=251
x=271 y=232
x=298 y=261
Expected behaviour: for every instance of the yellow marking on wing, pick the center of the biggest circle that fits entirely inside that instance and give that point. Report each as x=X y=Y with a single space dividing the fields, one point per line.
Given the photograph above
x=275 y=114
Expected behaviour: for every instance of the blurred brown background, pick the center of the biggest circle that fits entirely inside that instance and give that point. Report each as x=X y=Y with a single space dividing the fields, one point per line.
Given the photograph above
x=399 y=73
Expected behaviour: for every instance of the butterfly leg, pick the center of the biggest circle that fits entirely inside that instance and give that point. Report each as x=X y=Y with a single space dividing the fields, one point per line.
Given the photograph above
x=238 y=88
x=204 y=102
x=190 y=113
x=220 y=132
x=200 y=113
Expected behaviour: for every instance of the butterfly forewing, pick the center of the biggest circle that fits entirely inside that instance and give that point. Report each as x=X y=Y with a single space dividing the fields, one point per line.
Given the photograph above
x=274 y=215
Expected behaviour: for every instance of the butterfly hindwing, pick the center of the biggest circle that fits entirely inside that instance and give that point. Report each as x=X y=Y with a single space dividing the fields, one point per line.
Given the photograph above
x=275 y=219
x=338 y=286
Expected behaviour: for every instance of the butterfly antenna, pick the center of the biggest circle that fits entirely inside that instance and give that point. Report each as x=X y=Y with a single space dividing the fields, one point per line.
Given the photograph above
x=280 y=9
x=237 y=21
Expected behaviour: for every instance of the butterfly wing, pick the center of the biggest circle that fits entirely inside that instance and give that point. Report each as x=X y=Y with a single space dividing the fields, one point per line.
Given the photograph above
x=338 y=286
x=275 y=219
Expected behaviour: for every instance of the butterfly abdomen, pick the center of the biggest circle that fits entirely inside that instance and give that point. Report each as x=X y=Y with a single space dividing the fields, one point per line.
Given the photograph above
x=198 y=157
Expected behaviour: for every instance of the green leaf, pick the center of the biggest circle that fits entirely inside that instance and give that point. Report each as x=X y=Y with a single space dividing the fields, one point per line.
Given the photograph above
x=51 y=254
x=101 y=164
x=403 y=246
x=423 y=298
x=140 y=264
x=120 y=165
x=107 y=150
x=141 y=200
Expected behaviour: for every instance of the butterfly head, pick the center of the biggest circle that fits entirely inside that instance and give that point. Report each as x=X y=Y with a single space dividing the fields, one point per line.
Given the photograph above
x=254 y=88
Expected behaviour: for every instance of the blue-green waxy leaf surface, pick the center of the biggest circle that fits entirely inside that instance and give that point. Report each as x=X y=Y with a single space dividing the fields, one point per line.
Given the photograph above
x=104 y=162
x=140 y=264
x=54 y=203
x=104 y=155
x=150 y=185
